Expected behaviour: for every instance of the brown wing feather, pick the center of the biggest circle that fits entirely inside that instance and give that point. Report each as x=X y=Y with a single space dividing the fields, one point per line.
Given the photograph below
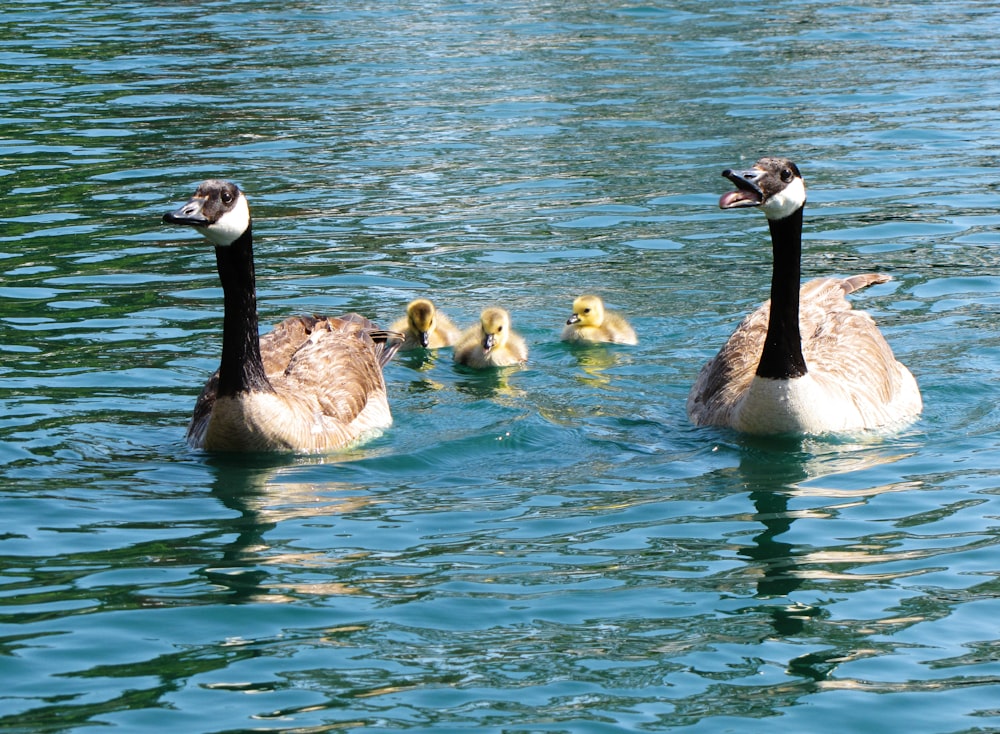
x=278 y=346
x=857 y=282
x=728 y=374
x=333 y=363
x=840 y=345
x=203 y=411
x=845 y=349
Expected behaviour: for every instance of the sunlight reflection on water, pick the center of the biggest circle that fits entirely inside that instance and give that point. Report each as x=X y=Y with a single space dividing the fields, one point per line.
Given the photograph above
x=552 y=548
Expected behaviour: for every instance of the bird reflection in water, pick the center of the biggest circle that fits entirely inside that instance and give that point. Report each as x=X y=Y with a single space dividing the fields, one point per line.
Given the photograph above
x=777 y=471
x=262 y=491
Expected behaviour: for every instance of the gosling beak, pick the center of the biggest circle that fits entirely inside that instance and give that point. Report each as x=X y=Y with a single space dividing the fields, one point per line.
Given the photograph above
x=488 y=342
x=190 y=214
x=572 y=319
x=425 y=339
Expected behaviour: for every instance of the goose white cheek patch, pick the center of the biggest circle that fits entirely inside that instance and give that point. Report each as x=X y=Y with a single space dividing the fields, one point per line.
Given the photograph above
x=230 y=225
x=786 y=201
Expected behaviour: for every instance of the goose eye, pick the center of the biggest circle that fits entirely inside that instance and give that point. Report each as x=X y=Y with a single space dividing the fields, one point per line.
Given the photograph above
x=227 y=198
x=786 y=175
x=586 y=310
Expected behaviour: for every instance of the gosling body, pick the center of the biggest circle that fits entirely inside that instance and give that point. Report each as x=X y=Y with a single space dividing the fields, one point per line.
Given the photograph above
x=491 y=343
x=592 y=322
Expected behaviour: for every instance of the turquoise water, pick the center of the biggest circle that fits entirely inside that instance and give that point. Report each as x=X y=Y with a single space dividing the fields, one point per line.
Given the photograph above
x=551 y=549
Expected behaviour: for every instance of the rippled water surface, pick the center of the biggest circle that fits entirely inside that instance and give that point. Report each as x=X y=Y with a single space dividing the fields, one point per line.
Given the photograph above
x=549 y=549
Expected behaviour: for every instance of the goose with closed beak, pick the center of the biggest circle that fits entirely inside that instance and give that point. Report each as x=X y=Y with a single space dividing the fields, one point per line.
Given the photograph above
x=313 y=384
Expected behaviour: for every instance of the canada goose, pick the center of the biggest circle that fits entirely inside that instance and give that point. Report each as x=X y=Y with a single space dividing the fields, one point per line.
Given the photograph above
x=590 y=322
x=425 y=327
x=312 y=384
x=491 y=342
x=805 y=361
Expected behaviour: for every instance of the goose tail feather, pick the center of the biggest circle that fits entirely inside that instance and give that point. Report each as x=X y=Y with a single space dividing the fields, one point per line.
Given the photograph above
x=857 y=282
x=387 y=343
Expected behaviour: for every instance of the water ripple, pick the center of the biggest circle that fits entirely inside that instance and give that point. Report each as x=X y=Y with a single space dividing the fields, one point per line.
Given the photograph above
x=553 y=548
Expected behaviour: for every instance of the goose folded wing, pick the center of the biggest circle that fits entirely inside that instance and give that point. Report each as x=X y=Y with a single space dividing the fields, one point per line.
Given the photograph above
x=337 y=369
x=848 y=353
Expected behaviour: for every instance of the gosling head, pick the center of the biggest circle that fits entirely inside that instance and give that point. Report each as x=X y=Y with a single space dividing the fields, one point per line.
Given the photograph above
x=587 y=311
x=420 y=313
x=218 y=210
x=773 y=184
x=495 y=323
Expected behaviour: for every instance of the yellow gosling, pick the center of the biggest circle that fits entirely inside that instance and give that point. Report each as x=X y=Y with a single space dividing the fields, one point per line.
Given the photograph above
x=491 y=343
x=590 y=322
x=425 y=327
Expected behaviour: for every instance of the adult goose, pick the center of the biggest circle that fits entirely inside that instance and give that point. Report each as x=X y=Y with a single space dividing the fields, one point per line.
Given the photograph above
x=313 y=384
x=804 y=362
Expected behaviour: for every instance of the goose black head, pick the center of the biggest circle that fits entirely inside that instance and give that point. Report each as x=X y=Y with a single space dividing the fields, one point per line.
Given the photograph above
x=218 y=210
x=773 y=184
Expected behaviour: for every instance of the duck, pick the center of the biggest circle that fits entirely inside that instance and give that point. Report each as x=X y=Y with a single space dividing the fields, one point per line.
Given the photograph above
x=491 y=343
x=804 y=362
x=591 y=322
x=312 y=384
x=424 y=327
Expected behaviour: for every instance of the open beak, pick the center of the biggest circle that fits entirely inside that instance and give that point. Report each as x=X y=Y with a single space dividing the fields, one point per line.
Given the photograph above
x=748 y=191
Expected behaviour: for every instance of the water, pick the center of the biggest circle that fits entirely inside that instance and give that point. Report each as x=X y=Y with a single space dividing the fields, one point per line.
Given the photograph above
x=551 y=549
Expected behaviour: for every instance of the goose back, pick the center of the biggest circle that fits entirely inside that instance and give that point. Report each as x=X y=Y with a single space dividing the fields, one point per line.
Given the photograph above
x=853 y=382
x=328 y=390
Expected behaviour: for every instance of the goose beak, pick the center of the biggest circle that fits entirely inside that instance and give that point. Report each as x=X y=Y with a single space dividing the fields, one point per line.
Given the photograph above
x=748 y=192
x=572 y=319
x=190 y=214
x=488 y=341
x=425 y=339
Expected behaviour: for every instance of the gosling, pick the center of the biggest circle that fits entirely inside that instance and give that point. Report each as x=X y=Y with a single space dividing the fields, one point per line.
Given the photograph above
x=425 y=327
x=491 y=342
x=590 y=322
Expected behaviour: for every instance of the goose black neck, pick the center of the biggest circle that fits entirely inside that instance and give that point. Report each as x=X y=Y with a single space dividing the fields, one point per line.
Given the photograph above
x=241 y=369
x=781 y=357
